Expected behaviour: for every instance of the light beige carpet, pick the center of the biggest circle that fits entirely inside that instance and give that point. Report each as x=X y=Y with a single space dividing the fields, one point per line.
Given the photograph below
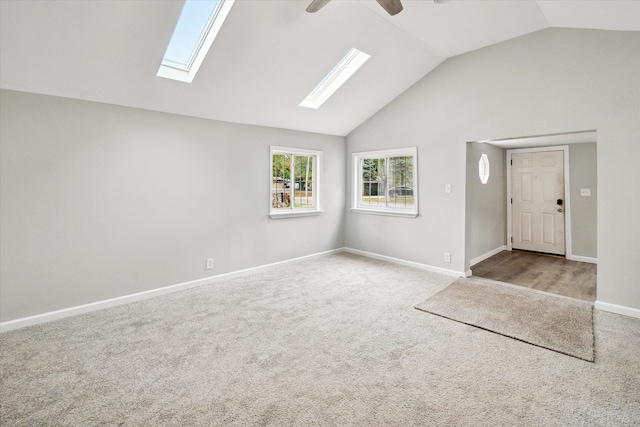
x=545 y=320
x=332 y=341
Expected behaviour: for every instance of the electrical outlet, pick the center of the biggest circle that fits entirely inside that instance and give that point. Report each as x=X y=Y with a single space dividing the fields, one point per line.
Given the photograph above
x=447 y=188
x=209 y=263
x=585 y=192
x=447 y=257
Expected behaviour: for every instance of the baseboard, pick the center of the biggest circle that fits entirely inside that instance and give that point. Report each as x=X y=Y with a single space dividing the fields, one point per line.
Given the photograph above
x=495 y=251
x=582 y=259
x=617 y=309
x=487 y=255
x=126 y=299
x=405 y=262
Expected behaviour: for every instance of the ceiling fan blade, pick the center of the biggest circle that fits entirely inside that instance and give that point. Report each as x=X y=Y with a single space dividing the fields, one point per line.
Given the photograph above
x=391 y=6
x=316 y=5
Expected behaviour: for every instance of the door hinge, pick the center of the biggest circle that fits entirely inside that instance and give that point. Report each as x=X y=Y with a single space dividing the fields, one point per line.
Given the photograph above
x=512 y=239
x=512 y=200
x=511 y=162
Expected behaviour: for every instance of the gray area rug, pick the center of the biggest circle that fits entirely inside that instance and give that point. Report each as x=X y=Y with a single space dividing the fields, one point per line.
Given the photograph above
x=333 y=341
x=545 y=320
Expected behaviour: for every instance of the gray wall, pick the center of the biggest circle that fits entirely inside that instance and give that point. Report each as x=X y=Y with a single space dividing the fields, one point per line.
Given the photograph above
x=552 y=81
x=486 y=215
x=584 y=218
x=100 y=201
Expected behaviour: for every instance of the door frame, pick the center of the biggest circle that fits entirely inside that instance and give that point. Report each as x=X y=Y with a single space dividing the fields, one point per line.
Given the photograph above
x=567 y=194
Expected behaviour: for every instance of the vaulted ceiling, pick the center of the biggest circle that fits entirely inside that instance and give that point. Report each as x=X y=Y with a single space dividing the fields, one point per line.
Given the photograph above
x=269 y=54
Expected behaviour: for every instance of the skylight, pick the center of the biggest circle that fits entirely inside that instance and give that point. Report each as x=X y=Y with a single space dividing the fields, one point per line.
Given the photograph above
x=195 y=31
x=336 y=78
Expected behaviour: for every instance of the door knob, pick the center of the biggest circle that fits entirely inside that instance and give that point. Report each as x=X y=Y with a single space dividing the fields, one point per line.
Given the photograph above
x=559 y=209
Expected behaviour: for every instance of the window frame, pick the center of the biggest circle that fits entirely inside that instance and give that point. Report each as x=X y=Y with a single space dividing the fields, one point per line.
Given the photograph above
x=343 y=71
x=357 y=187
x=316 y=182
x=187 y=72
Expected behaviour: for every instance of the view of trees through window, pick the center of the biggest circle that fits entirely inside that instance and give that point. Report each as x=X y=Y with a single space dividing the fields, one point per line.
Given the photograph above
x=387 y=181
x=292 y=181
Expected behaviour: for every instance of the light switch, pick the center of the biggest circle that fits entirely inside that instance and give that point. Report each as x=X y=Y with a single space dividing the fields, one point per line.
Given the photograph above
x=585 y=192
x=447 y=188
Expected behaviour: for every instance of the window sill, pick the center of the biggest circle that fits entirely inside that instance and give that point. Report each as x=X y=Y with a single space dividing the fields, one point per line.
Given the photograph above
x=294 y=214
x=401 y=214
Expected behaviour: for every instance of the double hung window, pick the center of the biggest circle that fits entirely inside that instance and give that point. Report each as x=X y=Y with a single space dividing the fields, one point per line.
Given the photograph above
x=295 y=182
x=386 y=182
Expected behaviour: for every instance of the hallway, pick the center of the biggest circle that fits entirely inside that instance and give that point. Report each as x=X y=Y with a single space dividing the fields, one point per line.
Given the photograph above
x=548 y=273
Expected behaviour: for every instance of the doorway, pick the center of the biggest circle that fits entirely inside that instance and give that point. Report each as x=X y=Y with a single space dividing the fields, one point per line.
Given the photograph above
x=538 y=213
x=537 y=201
x=489 y=222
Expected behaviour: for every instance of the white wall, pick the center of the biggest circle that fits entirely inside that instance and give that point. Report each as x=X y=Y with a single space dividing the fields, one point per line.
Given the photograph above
x=552 y=81
x=101 y=201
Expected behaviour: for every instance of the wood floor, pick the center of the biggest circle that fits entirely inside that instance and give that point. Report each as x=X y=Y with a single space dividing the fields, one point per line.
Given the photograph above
x=547 y=273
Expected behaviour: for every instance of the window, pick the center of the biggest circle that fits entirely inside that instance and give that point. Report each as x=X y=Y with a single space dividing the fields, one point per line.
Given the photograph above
x=348 y=65
x=295 y=182
x=483 y=169
x=386 y=182
x=194 y=34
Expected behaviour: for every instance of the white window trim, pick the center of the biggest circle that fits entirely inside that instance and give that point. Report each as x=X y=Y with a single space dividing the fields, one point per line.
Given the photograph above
x=357 y=187
x=174 y=71
x=353 y=60
x=317 y=183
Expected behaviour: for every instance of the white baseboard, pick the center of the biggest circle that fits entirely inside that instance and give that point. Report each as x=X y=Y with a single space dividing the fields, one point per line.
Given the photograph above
x=617 y=309
x=126 y=299
x=407 y=263
x=582 y=259
x=489 y=254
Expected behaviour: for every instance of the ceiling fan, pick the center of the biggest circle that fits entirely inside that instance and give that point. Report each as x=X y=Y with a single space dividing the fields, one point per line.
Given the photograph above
x=391 y=6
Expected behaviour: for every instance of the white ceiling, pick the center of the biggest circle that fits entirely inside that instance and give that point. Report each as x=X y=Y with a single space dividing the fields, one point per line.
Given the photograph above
x=269 y=54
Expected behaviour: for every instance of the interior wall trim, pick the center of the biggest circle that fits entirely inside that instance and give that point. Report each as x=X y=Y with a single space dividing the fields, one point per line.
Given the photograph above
x=427 y=267
x=582 y=259
x=126 y=299
x=486 y=255
x=617 y=309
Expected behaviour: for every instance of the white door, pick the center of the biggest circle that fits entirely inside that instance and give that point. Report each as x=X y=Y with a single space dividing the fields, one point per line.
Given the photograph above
x=537 y=207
